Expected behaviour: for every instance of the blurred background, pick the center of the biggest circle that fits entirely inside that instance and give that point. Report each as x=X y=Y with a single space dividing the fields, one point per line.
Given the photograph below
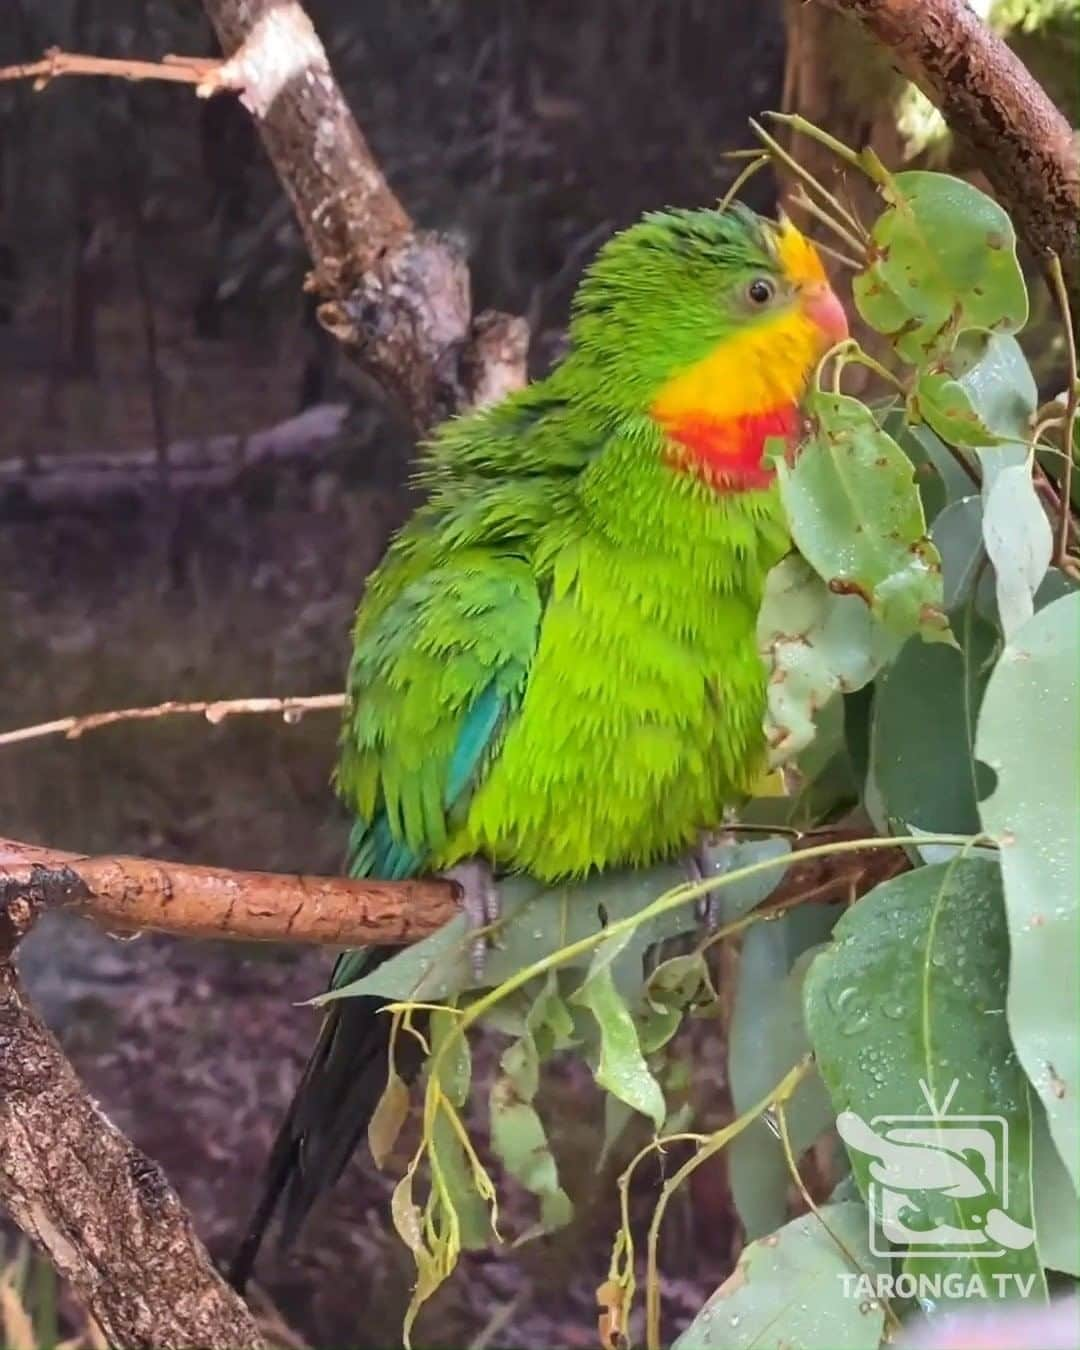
x=150 y=293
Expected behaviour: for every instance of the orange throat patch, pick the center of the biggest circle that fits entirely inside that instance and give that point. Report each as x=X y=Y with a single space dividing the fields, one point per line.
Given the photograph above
x=719 y=412
x=726 y=453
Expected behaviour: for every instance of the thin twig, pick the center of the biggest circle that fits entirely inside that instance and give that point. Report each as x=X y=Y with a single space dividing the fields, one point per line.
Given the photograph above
x=197 y=70
x=778 y=152
x=800 y=197
x=837 y=256
x=744 y=175
x=291 y=709
x=1061 y=294
x=808 y=1200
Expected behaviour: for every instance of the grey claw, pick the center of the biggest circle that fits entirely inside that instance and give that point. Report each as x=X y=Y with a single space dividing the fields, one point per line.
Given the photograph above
x=480 y=900
x=707 y=907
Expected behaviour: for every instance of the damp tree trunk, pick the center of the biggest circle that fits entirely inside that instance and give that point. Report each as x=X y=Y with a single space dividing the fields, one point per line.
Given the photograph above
x=398 y=298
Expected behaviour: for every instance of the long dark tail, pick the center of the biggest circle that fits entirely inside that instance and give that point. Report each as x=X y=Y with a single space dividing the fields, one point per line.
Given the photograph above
x=327 y=1118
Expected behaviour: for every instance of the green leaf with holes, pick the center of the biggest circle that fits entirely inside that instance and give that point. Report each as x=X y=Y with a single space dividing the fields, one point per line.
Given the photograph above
x=815 y=644
x=943 y=259
x=857 y=519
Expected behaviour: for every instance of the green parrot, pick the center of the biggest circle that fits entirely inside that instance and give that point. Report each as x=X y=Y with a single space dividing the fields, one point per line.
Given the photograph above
x=554 y=668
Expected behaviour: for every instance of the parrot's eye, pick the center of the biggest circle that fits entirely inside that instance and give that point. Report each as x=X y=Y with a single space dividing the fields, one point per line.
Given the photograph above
x=760 y=291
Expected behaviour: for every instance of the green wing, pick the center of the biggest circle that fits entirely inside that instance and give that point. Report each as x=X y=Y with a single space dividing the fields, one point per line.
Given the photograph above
x=440 y=663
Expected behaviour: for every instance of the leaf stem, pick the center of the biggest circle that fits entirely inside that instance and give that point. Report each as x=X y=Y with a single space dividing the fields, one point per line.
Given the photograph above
x=778 y=152
x=808 y=1199
x=720 y=1140
x=802 y=198
x=743 y=176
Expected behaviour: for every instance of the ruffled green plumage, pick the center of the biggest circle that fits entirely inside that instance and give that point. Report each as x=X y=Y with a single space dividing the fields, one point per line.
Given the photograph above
x=555 y=666
x=598 y=603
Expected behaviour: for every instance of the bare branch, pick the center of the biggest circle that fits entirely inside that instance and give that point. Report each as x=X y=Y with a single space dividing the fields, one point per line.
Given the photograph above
x=71 y=728
x=396 y=296
x=131 y=894
x=1024 y=145
x=102 y=1210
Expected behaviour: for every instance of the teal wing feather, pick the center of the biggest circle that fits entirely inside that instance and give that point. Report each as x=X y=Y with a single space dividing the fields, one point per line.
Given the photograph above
x=438 y=671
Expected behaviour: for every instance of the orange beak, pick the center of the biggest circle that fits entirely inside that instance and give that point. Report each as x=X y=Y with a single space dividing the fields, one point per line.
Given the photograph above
x=822 y=307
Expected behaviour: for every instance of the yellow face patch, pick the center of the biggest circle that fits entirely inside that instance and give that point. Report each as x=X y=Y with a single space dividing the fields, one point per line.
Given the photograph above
x=763 y=367
x=767 y=364
x=798 y=258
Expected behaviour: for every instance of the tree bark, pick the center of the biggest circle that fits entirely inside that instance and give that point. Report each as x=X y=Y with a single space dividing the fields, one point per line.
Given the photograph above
x=103 y=1211
x=134 y=894
x=397 y=297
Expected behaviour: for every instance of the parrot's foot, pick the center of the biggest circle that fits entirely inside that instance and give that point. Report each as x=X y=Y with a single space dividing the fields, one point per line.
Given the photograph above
x=480 y=900
x=700 y=867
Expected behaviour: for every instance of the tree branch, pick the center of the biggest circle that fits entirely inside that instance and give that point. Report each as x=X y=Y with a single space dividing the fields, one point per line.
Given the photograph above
x=194 y=70
x=102 y=1210
x=195 y=464
x=214 y=710
x=396 y=296
x=132 y=894
x=1024 y=145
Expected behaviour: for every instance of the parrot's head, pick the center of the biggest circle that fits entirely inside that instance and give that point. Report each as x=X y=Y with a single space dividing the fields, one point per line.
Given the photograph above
x=711 y=322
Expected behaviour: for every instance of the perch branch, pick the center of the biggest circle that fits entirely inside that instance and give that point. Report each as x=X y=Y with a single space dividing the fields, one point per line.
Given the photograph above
x=132 y=894
x=103 y=1211
x=1024 y=145
x=71 y=728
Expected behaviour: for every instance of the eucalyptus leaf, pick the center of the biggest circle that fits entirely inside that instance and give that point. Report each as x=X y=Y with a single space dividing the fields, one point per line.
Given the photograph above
x=815 y=644
x=943 y=259
x=767 y=1037
x=923 y=736
x=1000 y=386
x=1019 y=543
x=857 y=519
x=957 y=536
x=796 y=1289
x=942 y=401
x=906 y=1016
x=939 y=475
x=980 y=395
x=621 y=1069
x=1057 y=1210
x=1027 y=735
x=473 y=1216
